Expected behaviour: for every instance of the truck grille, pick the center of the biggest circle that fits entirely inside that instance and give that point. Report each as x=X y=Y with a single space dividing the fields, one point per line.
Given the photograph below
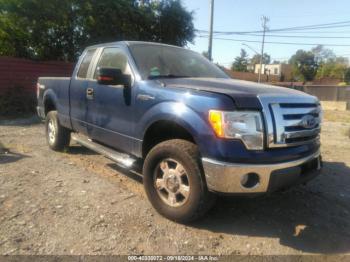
x=291 y=121
x=295 y=123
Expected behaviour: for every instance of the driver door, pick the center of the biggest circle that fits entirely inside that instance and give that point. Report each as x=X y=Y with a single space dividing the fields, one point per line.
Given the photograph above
x=112 y=120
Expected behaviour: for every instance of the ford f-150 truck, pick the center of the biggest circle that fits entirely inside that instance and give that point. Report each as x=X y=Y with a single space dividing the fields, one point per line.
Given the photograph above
x=196 y=131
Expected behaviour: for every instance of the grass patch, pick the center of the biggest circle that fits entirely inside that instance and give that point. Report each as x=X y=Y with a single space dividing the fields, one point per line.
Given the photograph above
x=337 y=116
x=340 y=117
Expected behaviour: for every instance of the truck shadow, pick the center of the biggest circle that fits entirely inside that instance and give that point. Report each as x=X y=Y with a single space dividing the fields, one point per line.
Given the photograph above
x=313 y=218
x=80 y=150
x=10 y=157
x=135 y=173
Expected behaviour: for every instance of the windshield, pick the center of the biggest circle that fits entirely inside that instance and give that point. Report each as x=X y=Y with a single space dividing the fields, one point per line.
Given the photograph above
x=158 y=61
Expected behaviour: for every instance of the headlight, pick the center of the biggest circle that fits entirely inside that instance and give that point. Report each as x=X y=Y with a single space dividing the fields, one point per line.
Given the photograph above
x=243 y=125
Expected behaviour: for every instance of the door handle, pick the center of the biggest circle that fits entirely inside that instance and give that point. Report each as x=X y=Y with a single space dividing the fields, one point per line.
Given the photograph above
x=144 y=97
x=89 y=93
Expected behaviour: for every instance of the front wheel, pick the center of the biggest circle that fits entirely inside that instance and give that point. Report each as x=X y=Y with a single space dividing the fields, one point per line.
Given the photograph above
x=57 y=136
x=174 y=181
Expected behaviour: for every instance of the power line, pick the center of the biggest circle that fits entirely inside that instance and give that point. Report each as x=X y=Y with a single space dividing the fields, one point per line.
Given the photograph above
x=308 y=28
x=299 y=36
x=308 y=14
x=280 y=43
x=283 y=32
x=312 y=32
x=275 y=30
x=295 y=28
x=316 y=32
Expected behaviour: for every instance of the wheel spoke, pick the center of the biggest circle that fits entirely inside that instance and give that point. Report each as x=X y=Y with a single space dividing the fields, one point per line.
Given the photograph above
x=51 y=131
x=180 y=169
x=184 y=190
x=171 y=182
x=160 y=183
x=172 y=198
x=164 y=167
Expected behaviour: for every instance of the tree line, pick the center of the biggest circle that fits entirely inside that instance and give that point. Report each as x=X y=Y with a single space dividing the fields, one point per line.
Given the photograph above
x=61 y=29
x=317 y=63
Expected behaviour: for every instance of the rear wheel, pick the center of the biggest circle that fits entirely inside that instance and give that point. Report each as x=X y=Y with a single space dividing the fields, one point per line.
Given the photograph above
x=57 y=136
x=174 y=181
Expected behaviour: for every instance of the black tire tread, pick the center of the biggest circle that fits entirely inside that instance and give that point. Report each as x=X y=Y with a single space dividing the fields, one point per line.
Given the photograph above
x=207 y=199
x=63 y=134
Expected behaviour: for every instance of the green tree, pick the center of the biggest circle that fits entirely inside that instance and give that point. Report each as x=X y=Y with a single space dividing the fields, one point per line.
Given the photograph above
x=241 y=62
x=61 y=29
x=174 y=23
x=43 y=29
x=256 y=59
x=304 y=65
x=347 y=75
x=323 y=55
x=335 y=68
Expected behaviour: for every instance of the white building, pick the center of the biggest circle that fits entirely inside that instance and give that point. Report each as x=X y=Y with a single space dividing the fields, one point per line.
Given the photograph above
x=281 y=71
x=271 y=69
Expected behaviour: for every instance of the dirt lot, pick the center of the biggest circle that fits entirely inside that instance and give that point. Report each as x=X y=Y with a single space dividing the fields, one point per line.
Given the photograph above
x=81 y=203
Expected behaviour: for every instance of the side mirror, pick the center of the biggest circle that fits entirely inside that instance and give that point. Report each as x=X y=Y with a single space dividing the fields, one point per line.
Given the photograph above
x=112 y=76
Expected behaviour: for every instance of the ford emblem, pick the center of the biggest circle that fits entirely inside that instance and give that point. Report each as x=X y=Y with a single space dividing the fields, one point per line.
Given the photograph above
x=308 y=121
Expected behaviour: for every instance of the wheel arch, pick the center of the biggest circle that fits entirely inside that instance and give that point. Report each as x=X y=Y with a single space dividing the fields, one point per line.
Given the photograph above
x=49 y=102
x=162 y=130
x=175 y=121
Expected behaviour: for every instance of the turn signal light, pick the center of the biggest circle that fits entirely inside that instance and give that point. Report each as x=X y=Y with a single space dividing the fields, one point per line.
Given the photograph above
x=216 y=121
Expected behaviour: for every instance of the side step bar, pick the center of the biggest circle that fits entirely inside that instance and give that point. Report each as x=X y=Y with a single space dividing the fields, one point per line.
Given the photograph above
x=121 y=158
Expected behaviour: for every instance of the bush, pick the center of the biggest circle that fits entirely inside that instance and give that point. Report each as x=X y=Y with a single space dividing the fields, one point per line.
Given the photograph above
x=17 y=101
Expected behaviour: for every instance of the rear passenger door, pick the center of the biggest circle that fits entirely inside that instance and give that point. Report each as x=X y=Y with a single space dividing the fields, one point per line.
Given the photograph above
x=80 y=106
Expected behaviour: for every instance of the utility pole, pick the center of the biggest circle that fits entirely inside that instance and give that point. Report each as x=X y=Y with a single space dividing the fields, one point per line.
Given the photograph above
x=264 y=22
x=210 y=46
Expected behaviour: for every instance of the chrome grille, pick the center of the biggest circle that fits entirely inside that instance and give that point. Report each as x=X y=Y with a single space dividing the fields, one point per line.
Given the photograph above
x=291 y=121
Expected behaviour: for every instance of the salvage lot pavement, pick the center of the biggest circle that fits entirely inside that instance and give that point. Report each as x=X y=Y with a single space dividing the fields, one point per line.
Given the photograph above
x=79 y=202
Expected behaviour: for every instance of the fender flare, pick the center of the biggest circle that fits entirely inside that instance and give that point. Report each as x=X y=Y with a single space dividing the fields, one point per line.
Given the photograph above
x=178 y=113
x=49 y=95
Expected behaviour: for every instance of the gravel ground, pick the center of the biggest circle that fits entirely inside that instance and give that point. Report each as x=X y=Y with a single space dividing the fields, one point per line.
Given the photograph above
x=79 y=202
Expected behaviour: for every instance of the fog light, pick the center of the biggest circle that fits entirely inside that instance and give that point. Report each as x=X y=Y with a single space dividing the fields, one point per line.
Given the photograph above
x=250 y=180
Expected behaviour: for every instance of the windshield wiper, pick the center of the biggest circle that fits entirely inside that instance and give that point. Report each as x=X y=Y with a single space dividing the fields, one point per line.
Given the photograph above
x=167 y=76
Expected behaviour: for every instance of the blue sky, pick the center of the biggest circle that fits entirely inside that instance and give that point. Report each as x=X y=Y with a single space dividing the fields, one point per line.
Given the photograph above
x=245 y=15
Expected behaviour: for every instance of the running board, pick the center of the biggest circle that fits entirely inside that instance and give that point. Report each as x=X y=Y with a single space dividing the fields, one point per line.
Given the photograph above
x=121 y=158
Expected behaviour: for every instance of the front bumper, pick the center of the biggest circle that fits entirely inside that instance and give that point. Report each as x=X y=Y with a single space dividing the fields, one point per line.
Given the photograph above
x=250 y=178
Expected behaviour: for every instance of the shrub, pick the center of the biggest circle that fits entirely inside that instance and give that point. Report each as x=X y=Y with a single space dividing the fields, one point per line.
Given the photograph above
x=17 y=101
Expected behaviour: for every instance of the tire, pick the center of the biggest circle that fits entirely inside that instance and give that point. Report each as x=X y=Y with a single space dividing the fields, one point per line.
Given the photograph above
x=175 y=166
x=57 y=136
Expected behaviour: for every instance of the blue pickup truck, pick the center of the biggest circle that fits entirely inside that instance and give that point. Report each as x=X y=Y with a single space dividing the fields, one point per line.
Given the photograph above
x=196 y=132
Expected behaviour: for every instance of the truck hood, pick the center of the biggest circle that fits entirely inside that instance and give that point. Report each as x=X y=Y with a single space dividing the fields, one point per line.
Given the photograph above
x=245 y=94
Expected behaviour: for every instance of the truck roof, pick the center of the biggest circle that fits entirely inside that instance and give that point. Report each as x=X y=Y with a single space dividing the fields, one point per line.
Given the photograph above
x=130 y=43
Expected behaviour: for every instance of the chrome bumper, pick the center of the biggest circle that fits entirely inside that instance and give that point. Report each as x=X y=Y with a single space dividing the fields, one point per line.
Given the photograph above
x=252 y=178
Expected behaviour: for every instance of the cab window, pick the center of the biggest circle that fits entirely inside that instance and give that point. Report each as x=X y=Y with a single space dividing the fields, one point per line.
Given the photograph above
x=84 y=66
x=113 y=58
